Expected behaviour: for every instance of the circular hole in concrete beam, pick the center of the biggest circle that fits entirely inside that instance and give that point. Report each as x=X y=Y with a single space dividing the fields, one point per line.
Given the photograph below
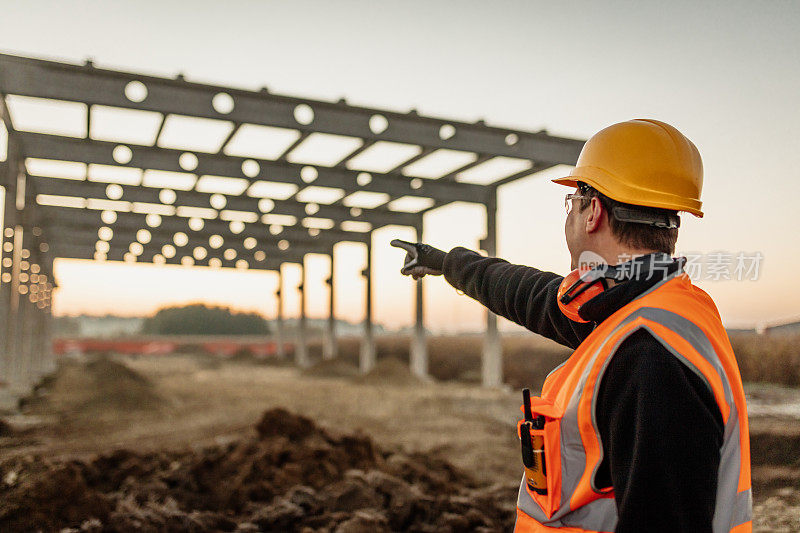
x=265 y=205
x=196 y=224
x=105 y=233
x=363 y=178
x=143 y=236
x=188 y=161
x=122 y=154
x=180 y=238
x=250 y=168
x=136 y=91
x=218 y=201
x=378 y=124
x=169 y=251
x=167 y=196
x=153 y=220
x=447 y=131
x=108 y=217
x=114 y=191
x=222 y=103
x=303 y=114
x=308 y=174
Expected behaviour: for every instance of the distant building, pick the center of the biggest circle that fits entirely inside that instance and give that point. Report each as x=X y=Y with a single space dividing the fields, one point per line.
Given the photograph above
x=108 y=326
x=787 y=328
x=742 y=331
x=316 y=326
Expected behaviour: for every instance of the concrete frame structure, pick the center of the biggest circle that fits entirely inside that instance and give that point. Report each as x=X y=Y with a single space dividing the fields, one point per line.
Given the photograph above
x=36 y=231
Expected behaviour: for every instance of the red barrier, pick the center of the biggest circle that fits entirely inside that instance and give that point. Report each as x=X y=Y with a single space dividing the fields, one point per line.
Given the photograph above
x=226 y=347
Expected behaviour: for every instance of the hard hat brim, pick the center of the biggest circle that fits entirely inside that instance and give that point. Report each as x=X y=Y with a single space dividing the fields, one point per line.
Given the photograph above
x=572 y=181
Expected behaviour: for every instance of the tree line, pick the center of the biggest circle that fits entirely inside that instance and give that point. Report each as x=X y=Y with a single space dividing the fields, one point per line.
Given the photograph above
x=200 y=319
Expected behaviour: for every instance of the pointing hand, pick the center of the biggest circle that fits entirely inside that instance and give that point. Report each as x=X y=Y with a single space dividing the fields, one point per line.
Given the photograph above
x=421 y=259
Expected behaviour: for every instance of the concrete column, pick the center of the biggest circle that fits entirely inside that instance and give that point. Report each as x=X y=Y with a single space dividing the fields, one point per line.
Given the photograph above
x=329 y=346
x=301 y=350
x=6 y=317
x=17 y=311
x=37 y=346
x=279 y=333
x=50 y=360
x=36 y=300
x=419 y=346
x=367 y=355
x=28 y=370
x=492 y=362
x=27 y=348
x=45 y=282
x=5 y=354
x=8 y=179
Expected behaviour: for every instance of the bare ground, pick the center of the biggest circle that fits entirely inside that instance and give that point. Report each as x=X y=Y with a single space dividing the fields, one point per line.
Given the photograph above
x=179 y=403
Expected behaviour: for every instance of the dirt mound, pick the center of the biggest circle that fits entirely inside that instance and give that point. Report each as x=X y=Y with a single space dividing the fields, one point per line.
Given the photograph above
x=120 y=387
x=291 y=475
x=332 y=368
x=390 y=371
x=102 y=385
x=775 y=448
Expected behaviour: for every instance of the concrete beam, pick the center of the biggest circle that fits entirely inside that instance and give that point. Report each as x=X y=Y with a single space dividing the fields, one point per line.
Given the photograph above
x=88 y=151
x=93 y=86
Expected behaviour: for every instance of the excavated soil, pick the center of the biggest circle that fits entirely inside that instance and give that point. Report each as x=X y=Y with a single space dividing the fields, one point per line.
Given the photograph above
x=390 y=371
x=169 y=444
x=101 y=387
x=291 y=475
x=332 y=368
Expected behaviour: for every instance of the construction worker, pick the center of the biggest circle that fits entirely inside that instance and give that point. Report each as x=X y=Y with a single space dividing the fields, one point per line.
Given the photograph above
x=644 y=427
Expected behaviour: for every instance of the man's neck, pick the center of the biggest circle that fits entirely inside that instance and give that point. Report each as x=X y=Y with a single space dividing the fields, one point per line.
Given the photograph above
x=621 y=293
x=623 y=254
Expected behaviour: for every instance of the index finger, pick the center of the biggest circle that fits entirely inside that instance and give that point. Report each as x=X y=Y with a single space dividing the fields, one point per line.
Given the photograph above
x=405 y=245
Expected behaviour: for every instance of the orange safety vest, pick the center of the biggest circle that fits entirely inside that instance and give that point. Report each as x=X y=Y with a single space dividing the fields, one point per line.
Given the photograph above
x=685 y=320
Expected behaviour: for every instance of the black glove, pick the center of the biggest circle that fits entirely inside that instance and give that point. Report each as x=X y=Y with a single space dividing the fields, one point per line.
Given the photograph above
x=421 y=259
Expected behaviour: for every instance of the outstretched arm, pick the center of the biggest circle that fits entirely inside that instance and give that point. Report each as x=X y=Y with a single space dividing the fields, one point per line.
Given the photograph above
x=522 y=294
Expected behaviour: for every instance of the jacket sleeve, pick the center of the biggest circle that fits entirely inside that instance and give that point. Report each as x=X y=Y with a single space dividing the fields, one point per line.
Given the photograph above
x=522 y=294
x=661 y=431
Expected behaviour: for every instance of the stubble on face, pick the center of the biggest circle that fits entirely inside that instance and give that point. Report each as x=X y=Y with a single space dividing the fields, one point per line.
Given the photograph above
x=572 y=235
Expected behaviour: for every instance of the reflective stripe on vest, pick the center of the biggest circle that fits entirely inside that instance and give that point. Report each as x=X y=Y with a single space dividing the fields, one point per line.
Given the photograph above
x=573 y=502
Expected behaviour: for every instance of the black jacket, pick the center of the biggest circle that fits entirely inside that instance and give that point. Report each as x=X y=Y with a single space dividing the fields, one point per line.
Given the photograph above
x=660 y=426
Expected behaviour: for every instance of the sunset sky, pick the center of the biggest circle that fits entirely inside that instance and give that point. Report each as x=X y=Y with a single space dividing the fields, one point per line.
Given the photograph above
x=725 y=73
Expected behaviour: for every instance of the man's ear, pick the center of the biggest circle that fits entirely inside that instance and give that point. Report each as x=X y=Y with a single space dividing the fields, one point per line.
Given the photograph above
x=596 y=214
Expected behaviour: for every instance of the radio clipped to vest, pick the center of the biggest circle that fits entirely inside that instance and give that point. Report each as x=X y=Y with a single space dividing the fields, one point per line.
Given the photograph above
x=532 y=447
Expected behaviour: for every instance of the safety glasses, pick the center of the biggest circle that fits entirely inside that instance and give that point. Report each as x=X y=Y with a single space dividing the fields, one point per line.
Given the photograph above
x=568 y=200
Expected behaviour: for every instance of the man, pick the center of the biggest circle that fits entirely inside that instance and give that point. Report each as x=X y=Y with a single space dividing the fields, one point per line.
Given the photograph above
x=644 y=427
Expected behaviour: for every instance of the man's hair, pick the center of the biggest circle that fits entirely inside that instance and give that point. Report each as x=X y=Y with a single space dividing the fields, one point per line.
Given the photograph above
x=634 y=234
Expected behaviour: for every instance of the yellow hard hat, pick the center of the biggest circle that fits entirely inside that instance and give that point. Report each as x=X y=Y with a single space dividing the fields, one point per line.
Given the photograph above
x=642 y=162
